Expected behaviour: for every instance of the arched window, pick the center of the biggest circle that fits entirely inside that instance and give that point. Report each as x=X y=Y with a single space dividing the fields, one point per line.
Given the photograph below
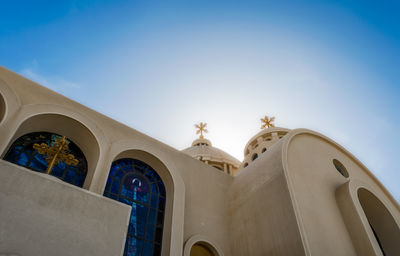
x=254 y=157
x=263 y=150
x=135 y=183
x=22 y=153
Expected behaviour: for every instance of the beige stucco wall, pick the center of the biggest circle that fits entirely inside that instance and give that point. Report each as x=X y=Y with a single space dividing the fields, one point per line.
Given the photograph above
x=262 y=218
x=31 y=107
x=206 y=204
x=314 y=182
x=289 y=201
x=43 y=216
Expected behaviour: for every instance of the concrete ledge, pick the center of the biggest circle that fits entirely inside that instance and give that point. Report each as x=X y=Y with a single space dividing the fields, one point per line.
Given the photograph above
x=41 y=215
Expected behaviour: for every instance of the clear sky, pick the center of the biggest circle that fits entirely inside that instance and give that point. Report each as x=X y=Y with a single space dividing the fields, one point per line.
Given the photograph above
x=162 y=66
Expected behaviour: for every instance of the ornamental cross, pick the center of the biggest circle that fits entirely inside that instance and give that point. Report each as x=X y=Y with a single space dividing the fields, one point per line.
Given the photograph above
x=266 y=122
x=201 y=128
x=58 y=152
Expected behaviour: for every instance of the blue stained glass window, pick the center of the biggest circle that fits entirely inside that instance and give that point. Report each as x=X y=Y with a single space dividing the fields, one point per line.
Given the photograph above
x=135 y=183
x=22 y=153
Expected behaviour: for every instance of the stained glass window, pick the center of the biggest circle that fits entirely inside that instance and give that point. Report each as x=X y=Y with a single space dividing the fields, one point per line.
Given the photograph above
x=22 y=153
x=135 y=183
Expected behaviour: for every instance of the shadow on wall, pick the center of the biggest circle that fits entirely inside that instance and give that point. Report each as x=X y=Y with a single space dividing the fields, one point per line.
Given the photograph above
x=66 y=126
x=2 y=110
x=382 y=223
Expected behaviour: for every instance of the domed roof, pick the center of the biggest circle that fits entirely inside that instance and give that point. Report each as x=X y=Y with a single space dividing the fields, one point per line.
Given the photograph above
x=265 y=132
x=203 y=150
x=261 y=142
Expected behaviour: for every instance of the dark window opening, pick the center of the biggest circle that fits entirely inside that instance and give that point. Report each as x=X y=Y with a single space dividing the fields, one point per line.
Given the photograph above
x=340 y=168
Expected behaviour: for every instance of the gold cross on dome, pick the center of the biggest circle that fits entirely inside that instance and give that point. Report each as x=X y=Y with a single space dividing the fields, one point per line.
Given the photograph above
x=266 y=122
x=58 y=152
x=201 y=128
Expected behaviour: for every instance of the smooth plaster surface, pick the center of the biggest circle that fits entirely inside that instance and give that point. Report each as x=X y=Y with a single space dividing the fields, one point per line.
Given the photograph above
x=289 y=201
x=30 y=101
x=262 y=217
x=314 y=180
x=43 y=216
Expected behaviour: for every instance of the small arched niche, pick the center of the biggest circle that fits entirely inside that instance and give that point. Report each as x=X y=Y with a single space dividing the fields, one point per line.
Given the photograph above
x=64 y=126
x=381 y=222
x=2 y=108
x=161 y=170
x=202 y=248
x=200 y=245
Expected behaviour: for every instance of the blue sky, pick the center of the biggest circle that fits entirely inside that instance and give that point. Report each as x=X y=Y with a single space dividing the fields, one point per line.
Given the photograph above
x=161 y=66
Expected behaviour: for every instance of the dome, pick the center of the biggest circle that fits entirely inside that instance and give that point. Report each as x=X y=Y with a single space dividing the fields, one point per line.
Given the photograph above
x=202 y=150
x=260 y=143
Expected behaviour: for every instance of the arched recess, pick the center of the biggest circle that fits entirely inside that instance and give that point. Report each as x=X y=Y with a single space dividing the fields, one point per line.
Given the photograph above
x=66 y=126
x=2 y=108
x=200 y=245
x=365 y=211
x=10 y=101
x=382 y=223
x=158 y=166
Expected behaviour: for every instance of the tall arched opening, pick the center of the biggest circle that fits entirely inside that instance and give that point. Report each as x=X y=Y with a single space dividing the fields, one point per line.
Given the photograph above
x=141 y=180
x=382 y=223
x=57 y=124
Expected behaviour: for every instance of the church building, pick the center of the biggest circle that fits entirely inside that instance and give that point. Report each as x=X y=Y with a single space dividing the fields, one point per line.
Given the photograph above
x=75 y=182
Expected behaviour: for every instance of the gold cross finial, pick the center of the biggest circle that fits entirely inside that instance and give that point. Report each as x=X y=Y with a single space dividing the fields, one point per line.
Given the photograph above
x=201 y=128
x=266 y=122
x=58 y=152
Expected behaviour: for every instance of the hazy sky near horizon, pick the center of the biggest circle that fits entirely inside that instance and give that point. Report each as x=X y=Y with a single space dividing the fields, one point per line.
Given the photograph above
x=162 y=66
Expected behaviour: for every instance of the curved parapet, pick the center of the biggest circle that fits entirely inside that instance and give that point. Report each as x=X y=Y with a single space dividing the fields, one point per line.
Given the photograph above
x=287 y=203
x=315 y=167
